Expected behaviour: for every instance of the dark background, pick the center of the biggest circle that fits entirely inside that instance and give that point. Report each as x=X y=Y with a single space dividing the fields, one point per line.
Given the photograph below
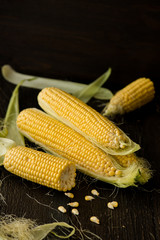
x=78 y=41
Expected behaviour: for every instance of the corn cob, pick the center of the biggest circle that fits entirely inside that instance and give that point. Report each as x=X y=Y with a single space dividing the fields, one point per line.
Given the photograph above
x=64 y=141
x=133 y=96
x=86 y=121
x=40 y=167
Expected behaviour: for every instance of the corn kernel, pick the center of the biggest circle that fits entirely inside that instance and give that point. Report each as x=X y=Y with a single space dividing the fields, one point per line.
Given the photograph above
x=62 y=209
x=94 y=219
x=75 y=211
x=112 y=204
x=109 y=204
x=89 y=198
x=70 y=195
x=95 y=192
x=73 y=204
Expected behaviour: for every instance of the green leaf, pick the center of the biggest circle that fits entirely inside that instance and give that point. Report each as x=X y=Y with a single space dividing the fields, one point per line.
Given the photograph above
x=14 y=77
x=10 y=130
x=90 y=90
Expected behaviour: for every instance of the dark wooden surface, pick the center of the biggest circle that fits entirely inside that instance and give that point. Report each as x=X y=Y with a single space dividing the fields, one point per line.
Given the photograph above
x=78 y=41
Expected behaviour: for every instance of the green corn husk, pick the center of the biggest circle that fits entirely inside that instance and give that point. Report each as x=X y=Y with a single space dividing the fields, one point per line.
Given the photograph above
x=83 y=91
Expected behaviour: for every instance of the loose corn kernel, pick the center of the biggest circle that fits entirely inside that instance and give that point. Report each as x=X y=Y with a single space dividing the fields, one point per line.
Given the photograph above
x=89 y=198
x=109 y=205
x=75 y=211
x=94 y=219
x=131 y=97
x=95 y=192
x=83 y=119
x=73 y=204
x=112 y=204
x=41 y=168
x=70 y=195
x=62 y=209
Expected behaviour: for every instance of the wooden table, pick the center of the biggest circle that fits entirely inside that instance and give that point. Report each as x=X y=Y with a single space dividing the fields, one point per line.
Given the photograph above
x=78 y=41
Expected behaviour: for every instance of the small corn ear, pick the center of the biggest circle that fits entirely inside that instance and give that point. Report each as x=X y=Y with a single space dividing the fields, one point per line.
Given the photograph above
x=85 y=120
x=133 y=96
x=40 y=167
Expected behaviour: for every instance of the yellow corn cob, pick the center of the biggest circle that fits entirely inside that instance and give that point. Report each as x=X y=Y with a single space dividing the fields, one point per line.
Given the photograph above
x=40 y=167
x=63 y=141
x=133 y=96
x=86 y=121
